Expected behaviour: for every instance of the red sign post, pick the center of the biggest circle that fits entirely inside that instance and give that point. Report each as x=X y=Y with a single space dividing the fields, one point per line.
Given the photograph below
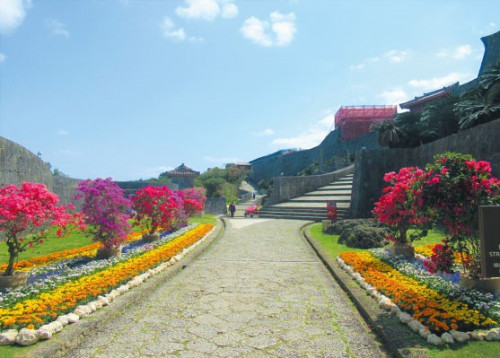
x=331 y=210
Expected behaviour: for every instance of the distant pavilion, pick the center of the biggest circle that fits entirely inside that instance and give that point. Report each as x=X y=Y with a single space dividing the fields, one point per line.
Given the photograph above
x=183 y=176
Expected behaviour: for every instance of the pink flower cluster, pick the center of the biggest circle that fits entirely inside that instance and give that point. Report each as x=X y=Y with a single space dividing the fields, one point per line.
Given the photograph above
x=27 y=211
x=106 y=210
x=448 y=194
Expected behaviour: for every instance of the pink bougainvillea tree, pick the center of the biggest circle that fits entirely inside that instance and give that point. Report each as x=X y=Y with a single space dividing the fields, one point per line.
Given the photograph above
x=454 y=187
x=155 y=207
x=194 y=200
x=106 y=210
x=400 y=205
x=26 y=213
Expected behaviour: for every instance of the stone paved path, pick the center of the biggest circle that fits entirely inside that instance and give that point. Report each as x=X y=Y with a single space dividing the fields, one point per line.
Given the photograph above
x=259 y=291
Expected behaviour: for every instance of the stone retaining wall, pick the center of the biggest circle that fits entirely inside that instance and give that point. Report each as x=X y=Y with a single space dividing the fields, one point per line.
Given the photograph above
x=331 y=154
x=18 y=164
x=482 y=142
x=216 y=205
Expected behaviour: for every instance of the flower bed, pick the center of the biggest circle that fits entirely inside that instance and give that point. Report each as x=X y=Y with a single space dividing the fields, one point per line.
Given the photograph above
x=97 y=280
x=88 y=250
x=434 y=312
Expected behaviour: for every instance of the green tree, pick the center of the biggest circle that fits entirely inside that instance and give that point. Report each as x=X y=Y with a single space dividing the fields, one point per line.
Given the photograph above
x=438 y=119
x=482 y=103
x=213 y=181
x=409 y=124
x=388 y=133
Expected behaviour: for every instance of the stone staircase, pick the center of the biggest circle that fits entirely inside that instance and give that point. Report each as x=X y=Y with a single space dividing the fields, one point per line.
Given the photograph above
x=312 y=206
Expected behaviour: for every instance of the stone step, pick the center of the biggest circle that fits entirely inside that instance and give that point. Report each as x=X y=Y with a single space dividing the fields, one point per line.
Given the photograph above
x=324 y=196
x=335 y=187
x=309 y=205
x=300 y=216
x=312 y=206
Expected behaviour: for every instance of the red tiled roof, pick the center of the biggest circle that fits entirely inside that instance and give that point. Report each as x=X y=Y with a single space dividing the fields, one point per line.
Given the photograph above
x=183 y=170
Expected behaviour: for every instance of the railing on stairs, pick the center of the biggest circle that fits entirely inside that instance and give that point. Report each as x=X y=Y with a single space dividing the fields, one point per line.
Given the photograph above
x=285 y=188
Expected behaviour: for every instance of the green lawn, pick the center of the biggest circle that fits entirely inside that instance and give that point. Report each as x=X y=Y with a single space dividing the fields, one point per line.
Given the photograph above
x=329 y=242
x=76 y=239
x=51 y=244
x=206 y=219
x=472 y=349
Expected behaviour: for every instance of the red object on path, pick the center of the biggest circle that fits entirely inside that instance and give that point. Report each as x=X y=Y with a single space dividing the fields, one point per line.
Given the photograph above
x=251 y=211
x=331 y=210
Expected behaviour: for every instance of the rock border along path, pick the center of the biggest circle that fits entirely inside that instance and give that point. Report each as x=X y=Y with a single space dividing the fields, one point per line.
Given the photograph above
x=258 y=291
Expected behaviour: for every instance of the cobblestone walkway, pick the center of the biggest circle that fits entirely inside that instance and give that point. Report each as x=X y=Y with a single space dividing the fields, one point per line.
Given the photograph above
x=259 y=291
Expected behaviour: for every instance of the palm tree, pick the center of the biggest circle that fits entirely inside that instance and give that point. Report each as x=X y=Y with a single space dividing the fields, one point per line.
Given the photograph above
x=438 y=119
x=389 y=134
x=481 y=104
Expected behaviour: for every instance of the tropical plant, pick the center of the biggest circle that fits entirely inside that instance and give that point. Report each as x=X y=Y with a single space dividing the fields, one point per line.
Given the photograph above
x=388 y=133
x=154 y=207
x=409 y=124
x=454 y=187
x=193 y=200
x=438 y=119
x=106 y=210
x=399 y=207
x=482 y=103
x=26 y=213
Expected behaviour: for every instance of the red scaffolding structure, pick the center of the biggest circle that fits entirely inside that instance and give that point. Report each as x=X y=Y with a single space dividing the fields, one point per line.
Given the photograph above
x=355 y=121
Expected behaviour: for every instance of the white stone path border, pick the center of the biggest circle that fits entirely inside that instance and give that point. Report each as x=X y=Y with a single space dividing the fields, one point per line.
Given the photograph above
x=28 y=337
x=386 y=303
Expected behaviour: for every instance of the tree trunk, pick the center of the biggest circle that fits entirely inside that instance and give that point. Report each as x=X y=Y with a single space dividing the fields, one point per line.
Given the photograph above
x=13 y=253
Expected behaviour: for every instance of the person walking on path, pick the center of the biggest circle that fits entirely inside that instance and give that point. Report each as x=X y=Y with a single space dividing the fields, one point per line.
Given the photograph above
x=232 y=209
x=258 y=291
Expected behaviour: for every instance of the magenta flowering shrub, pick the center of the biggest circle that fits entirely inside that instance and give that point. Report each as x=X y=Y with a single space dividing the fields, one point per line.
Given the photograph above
x=155 y=207
x=26 y=212
x=447 y=194
x=441 y=259
x=194 y=200
x=454 y=187
x=400 y=206
x=106 y=210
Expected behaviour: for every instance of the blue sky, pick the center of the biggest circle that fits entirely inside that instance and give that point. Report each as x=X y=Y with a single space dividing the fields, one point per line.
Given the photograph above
x=128 y=89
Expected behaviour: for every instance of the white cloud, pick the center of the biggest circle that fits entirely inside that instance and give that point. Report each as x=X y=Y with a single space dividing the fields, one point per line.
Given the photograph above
x=393 y=96
x=458 y=53
x=12 y=14
x=229 y=10
x=396 y=56
x=364 y=63
x=462 y=51
x=2 y=57
x=264 y=132
x=207 y=9
x=439 y=82
x=174 y=33
x=279 y=31
x=311 y=137
x=57 y=27
x=62 y=132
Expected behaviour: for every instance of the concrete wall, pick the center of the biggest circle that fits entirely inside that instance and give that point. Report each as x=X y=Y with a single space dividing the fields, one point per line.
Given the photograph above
x=482 y=142
x=332 y=152
x=286 y=188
